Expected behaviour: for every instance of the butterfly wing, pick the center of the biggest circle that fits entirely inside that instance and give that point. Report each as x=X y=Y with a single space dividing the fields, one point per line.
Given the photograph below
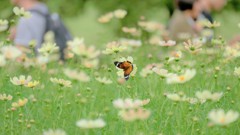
x=127 y=72
x=126 y=66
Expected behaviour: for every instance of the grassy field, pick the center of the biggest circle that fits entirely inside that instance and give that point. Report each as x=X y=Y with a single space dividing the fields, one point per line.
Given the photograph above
x=51 y=106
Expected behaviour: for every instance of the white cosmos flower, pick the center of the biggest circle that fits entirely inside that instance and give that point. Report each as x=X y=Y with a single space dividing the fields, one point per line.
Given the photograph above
x=3 y=25
x=207 y=95
x=231 y=52
x=61 y=82
x=129 y=58
x=150 y=26
x=104 y=80
x=48 y=48
x=21 y=12
x=75 y=42
x=87 y=124
x=114 y=47
x=188 y=75
x=106 y=18
x=42 y=60
x=75 y=75
x=167 y=43
x=131 y=42
x=120 y=13
x=134 y=114
x=219 y=117
x=174 y=97
x=21 y=80
x=129 y=103
x=212 y=25
x=11 y=52
x=54 y=132
x=78 y=47
x=237 y=71
x=161 y=72
x=5 y=97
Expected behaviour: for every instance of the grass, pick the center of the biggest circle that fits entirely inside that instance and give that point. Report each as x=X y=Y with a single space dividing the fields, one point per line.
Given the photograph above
x=57 y=108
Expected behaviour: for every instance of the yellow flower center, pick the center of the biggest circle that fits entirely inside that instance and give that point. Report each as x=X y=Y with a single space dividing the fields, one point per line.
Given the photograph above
x=177 y=55
x=222 y=120
x=181 y=78
x=22 y=81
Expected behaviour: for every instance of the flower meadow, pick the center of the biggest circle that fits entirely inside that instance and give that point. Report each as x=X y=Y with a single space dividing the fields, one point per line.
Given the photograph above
x=176 y=88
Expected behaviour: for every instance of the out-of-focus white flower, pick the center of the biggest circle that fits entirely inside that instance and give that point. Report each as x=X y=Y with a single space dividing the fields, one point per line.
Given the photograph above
x=88 y=124
x=174 y=97
x=3 y=25
x=48 y=48
x=231 y=52
x=114 y=47
x=129 y=103
x=149 y=69
x=207 y=95
x=237 y=71
x=134 y=114
x=133 y=31
x=90 y=63
x=120 y=13
x=219 y=117
x=145 y=72
x=154 y=40
x=11 y=52
x=49 y=37
x=212 y=25
x=78 y=47
x=106 y=18
x=103 y=80
x=42 y=60
x=22 y=80
x=2 y=61
x=167 y=43
x=75 y=75
x=131 y=42
x=150 y=26
x=129 y=58
x=188 y=75
x=61 y=82
x=175 y=55
x=21 y=12
x=163 y=73
x=75 y=42
x=54 y=132
x=20 y=103
x=32 y=84
x=5 y=97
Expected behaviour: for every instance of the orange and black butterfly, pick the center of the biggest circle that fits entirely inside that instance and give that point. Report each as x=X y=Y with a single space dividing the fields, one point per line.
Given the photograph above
x=126 y=66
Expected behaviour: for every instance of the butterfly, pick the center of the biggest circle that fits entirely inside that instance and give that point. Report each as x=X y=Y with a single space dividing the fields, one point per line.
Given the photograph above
x=126 y=66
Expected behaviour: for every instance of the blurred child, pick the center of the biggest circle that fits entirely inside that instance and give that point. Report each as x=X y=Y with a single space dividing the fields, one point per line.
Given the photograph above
x=211 y=5
x=183 y=19
x=32 y=28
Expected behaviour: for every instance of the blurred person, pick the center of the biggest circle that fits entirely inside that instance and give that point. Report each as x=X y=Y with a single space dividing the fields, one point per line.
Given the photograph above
x=183 y=19
x=32 y=28
x=35 y=27
x=211 y=5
